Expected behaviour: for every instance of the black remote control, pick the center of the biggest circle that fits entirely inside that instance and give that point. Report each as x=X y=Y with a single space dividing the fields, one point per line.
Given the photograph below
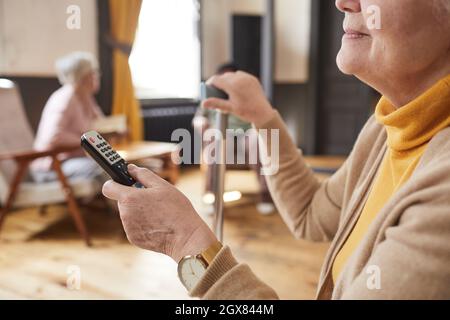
x=114 y=165
x=207 y=91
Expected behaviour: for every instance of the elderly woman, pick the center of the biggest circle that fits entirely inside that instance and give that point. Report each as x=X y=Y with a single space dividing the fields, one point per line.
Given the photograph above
x=386 y=211
x=69 y=112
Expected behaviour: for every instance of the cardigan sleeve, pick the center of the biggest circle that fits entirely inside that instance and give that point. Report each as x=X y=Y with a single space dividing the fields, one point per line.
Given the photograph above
x=310 y=209
x=226 y=279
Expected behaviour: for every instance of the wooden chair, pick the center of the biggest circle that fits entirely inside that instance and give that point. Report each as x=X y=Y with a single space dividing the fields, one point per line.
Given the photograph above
x=16 y=153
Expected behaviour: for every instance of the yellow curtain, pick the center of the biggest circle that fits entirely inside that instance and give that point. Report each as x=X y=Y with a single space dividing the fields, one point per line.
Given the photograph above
x=124 y=15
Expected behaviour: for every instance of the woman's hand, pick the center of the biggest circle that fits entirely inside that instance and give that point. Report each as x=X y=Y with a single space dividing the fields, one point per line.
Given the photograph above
x=159 y=218
x=246 y=97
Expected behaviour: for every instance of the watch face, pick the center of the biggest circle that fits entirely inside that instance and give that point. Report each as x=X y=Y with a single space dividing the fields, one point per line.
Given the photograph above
x=190 y=270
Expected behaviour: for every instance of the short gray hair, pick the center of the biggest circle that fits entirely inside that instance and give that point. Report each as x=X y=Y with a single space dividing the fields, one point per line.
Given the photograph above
x=74 y=66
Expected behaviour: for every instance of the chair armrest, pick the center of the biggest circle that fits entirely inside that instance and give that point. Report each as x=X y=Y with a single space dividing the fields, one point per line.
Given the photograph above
x=31 y=155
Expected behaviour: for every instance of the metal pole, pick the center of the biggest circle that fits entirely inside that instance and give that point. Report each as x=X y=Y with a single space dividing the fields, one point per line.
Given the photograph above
x=219 y=167
x=268 y=52
x=219 y=174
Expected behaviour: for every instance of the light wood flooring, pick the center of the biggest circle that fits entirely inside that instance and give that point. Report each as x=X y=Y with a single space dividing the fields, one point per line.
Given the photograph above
x=37 y=252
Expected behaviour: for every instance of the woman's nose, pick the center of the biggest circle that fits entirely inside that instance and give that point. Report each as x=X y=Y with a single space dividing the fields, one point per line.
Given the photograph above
x=352 y=6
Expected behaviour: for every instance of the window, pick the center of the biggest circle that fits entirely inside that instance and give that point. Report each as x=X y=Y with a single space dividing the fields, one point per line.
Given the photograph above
x=165 y=61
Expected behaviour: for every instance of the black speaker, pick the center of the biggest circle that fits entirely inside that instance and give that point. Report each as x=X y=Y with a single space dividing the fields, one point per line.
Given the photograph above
x=246 y=43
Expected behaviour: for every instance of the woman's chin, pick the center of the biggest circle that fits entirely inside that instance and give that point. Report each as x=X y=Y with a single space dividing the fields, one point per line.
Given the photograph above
x=348 y=63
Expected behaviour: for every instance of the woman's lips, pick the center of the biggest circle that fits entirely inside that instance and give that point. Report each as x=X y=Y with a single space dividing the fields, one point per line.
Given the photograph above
x=353 y=34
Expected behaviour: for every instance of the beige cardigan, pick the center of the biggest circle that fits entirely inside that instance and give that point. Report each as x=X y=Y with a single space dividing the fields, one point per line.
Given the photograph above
x=408 y=242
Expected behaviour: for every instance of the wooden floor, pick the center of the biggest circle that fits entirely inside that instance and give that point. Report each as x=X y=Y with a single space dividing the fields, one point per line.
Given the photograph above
x=37 y=252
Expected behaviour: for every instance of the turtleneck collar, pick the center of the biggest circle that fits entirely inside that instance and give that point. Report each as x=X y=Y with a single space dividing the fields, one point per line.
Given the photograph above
x=416 y=123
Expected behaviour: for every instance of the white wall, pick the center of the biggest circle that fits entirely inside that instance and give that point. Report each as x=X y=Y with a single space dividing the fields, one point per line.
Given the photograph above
x=292 y=38
x=33 y=34
x=292 y=31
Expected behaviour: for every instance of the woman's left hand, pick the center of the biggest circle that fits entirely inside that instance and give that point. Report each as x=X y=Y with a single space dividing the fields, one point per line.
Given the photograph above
x=159 y=218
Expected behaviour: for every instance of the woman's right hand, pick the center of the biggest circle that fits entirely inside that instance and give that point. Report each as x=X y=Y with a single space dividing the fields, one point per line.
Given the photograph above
x=246 y=100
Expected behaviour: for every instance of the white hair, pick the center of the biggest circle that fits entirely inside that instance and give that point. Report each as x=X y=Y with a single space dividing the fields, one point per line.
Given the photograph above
x=74 y=66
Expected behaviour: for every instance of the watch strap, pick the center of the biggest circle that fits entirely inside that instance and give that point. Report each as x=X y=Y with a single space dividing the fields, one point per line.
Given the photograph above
x=209 y=254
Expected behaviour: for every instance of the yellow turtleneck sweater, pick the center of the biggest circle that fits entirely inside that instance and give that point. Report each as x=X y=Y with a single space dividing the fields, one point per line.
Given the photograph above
x=409 y=129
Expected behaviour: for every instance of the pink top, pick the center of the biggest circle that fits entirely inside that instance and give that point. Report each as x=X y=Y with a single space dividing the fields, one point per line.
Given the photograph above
x=66 y=116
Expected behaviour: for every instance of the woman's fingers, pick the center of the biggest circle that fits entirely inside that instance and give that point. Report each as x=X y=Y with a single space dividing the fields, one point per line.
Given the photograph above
x=219 y=104
x=211 y=80
x=217 y=81
x=223 y=81
x=114 y=191
x=144 y=176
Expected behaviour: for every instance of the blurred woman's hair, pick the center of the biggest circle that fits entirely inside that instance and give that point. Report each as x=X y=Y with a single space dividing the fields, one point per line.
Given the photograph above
x=74 y=66
x=227 y=67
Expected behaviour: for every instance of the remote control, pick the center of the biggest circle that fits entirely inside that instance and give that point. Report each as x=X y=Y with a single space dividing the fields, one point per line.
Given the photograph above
x=114 y=165
x=207 y=91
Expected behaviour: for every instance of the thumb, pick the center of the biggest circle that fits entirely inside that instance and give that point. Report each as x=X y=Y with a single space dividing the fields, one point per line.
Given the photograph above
x=221 y=81
x=113 y=190
x=144 y=176
x=219 y=104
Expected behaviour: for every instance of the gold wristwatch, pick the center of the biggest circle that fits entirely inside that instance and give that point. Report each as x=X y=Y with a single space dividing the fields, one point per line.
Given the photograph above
x=192 y=268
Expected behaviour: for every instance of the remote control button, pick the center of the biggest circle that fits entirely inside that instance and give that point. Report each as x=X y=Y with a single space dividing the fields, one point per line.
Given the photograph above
x=99 y=137
x=98 y=146
x=109 y=148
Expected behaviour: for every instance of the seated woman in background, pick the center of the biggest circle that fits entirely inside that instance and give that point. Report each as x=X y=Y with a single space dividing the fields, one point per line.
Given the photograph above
x=69 y=112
